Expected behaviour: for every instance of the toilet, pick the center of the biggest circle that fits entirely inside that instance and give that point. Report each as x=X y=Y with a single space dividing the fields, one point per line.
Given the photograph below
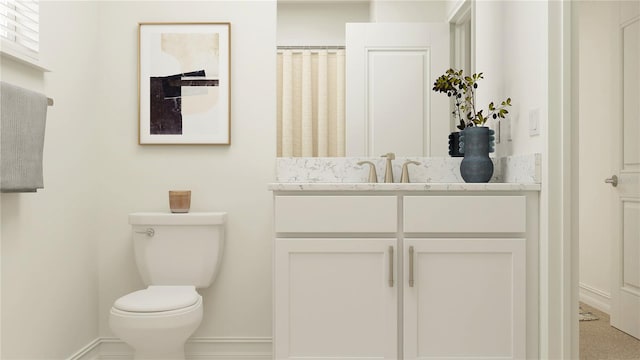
x=176 y=254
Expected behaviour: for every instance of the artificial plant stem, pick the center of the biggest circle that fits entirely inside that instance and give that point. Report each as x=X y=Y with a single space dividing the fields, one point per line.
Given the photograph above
x=473 y=103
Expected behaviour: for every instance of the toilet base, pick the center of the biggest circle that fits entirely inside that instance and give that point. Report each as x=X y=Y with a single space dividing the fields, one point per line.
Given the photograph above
x=157 y=336
x=152 y=347
x=175 y=354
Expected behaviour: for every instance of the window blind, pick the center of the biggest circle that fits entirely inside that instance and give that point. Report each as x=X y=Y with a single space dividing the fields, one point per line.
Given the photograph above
x=19 y=24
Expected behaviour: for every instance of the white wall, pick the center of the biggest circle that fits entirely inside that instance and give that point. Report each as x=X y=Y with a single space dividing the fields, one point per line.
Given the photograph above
x=66 y=251
x=316 y=23
x=49 y=257
x=512 y=51
x=323 y=23
x=222 y=178
x=599 y=92
x=525 y=60
x=488 y=27
x=408 y=11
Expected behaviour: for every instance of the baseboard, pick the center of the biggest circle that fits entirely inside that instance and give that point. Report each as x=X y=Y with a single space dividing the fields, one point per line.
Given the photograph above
x=232 y=348
x=90 y=352
x=595 y=298
x=198 y=348
x=114 y=349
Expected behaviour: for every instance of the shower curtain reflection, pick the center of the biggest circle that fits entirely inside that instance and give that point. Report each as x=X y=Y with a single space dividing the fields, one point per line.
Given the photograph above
x=310 y=92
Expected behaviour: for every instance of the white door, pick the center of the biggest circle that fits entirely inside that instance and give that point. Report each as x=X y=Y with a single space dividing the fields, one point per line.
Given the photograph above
x=390 y=71
x=625 y=305
x=335 y=299
x=467 y=299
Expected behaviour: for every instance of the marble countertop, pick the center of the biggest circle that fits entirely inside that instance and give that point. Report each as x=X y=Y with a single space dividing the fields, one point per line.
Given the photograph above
x=292 y=186
x=526 y=169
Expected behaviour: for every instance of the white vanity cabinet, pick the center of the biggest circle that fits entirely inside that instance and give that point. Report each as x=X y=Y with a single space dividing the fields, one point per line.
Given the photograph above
x=397 y=274
x=335 y=299
x=466 y=300
x=335 y=285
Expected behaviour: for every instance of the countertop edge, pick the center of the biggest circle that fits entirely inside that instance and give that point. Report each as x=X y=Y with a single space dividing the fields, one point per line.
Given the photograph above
x=403 y=187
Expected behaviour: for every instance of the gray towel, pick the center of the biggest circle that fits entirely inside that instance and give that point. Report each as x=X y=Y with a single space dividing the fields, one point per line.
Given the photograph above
x=22 y=121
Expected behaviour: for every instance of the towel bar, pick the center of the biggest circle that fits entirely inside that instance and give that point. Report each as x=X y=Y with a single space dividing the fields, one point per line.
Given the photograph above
x=49 y=101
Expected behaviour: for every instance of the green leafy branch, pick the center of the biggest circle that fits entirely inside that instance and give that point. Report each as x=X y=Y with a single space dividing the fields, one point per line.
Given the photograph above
x=463 y=89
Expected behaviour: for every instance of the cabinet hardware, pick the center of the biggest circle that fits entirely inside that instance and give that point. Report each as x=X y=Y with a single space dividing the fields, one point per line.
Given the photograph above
x=410 y=266
x=390 y=266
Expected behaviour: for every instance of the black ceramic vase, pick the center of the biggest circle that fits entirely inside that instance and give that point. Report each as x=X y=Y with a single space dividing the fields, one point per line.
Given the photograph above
x=454 y=144
x=475 y=144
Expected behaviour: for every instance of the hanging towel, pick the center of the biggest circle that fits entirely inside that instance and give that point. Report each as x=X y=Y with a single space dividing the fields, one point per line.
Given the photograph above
x=22 y=122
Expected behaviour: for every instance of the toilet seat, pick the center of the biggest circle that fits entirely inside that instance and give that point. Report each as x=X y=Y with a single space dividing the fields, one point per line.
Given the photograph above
x=156 y=299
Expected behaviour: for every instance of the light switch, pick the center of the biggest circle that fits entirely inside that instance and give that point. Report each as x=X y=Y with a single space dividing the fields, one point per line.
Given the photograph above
x=534 y=122
x=505 y=129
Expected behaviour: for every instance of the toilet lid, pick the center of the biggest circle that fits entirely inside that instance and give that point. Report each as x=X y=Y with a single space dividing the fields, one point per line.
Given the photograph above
x=158 y=298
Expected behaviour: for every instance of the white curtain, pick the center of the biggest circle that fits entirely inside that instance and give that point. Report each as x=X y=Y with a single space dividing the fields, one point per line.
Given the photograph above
x=310 y=89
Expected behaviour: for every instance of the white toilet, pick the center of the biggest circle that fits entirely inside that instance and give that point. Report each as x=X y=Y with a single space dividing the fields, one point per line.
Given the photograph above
x=175 y=254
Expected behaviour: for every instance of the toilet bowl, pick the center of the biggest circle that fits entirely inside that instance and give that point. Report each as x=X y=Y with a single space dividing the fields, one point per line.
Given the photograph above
x=157 y=321
x=175 y=254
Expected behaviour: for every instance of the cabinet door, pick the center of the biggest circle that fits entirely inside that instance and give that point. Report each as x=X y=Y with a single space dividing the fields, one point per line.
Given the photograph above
x=467 y=300
x=334 y=299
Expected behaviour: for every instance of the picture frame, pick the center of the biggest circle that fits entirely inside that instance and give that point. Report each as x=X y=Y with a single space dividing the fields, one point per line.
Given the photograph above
x=184 y=83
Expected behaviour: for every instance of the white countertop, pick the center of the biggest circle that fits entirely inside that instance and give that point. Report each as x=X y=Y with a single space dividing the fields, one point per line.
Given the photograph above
x=526 y=169
x=291 y=186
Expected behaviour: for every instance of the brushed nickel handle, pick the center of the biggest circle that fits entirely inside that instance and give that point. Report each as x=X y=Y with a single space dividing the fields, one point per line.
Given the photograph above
x=390 y=266
x=613 y=180
x=373 y=176
x=150 y=232
x=404 y=178
x=410 y=266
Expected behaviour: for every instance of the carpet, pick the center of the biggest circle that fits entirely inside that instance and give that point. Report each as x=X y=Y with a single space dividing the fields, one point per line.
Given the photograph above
x=586 y=315
x=600 y=341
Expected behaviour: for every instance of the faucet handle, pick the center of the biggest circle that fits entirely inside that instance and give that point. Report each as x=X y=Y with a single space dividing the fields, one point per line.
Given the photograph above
x=389 y=156
x=373 y=176
x=404 y=178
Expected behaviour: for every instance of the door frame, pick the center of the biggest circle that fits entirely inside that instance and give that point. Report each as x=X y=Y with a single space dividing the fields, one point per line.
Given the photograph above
x=571 y=184
x=559 y=261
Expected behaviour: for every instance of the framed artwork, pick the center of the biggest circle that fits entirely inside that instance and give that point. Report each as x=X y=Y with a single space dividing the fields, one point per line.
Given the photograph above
x=184 y=83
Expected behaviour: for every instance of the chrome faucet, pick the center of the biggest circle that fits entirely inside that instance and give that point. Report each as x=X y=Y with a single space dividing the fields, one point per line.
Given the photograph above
x=388 y=172
x=404 y=178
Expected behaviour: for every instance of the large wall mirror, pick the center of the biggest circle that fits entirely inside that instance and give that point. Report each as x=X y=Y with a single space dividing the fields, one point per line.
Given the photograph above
x=354 y=78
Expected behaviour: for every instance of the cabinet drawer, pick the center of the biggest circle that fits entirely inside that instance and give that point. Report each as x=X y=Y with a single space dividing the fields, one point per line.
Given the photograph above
x=340 y=214
x=465 y=214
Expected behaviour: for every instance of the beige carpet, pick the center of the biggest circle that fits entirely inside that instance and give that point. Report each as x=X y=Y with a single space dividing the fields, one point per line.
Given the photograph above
x=599 y=340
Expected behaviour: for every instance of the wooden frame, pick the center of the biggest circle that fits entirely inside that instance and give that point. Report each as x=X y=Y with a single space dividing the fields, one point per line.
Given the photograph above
x=184 y=83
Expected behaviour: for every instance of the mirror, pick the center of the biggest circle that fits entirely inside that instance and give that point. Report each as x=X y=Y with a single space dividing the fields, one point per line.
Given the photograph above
x=383 y=102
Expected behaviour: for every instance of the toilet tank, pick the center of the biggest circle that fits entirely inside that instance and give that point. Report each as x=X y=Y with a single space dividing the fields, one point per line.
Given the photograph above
x=178 y=249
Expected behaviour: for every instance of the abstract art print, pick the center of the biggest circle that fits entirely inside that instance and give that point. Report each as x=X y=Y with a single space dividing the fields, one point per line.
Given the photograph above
x=184 y=83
